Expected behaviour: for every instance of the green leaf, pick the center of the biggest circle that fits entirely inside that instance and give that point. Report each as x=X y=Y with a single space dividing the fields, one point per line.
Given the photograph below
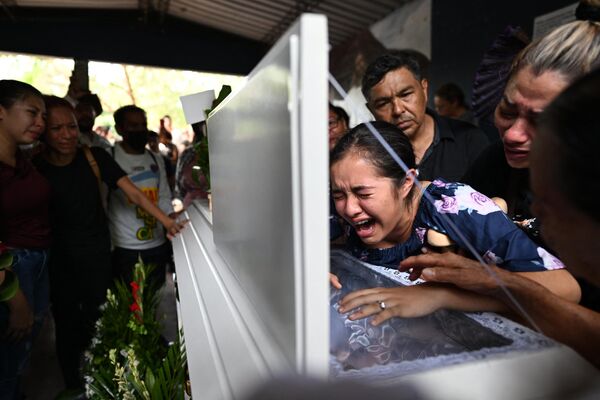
x=150 y=379
x=6 y=260
x=10 y=286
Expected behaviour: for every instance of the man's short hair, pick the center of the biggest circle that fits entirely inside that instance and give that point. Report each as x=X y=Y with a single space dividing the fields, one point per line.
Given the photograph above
x=119 y=115
x=92 y=100
x=386 y=63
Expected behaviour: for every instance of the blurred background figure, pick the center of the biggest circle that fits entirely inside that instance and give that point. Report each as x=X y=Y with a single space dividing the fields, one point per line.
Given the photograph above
x=167 y=147
x=153 y=141
x=339 y=122
x=154 y=146
x=190 y=180
x=86 y=114
x=449 y=101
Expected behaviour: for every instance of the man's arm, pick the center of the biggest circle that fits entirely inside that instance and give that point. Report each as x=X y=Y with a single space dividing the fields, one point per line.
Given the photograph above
x=558 y=318
x=138 y=198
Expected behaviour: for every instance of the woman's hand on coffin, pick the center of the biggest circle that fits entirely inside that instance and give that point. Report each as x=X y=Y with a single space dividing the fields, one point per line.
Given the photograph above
x=334 y=281
x=401 y=301
x=455 y=269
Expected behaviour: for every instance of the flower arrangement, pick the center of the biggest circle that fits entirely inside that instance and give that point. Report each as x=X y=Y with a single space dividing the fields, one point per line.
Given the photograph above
x=128 y=359
x=9 y=284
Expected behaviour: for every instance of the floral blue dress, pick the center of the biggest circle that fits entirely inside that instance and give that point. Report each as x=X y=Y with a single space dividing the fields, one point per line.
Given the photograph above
x=450 y=206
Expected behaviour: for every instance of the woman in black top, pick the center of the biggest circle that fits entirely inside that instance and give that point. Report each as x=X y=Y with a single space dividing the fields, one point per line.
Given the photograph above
x=80 y=269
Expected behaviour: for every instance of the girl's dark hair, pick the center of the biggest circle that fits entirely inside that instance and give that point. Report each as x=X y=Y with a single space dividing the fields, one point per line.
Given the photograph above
x=572 y=118
x=361 y=141
x=12 y=91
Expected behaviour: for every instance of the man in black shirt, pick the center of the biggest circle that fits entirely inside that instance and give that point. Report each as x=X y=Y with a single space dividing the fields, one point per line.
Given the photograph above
x=396 y=93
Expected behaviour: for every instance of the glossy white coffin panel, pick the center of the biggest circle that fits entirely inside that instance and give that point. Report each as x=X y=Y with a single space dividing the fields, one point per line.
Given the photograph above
x=253 y=283
x=268 y=147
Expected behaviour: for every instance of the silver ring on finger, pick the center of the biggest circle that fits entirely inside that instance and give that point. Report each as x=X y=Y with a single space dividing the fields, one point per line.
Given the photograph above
x=381 y=305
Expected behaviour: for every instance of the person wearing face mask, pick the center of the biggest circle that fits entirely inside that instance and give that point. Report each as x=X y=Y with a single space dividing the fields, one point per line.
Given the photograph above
x=135 y=233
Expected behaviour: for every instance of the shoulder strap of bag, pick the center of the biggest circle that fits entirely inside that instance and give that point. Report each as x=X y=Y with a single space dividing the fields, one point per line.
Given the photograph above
x=157 y=166
x=93 y=164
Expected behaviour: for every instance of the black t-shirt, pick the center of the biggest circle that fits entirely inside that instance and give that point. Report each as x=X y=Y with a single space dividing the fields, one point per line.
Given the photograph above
x=76 y=212
x=455 y=147
x=491 y=175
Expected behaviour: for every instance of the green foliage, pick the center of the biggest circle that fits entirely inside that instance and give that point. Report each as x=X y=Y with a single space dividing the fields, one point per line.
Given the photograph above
x=6 y=260
x=157 y=90
x=9 y=284
x=201 y=148
x=139 y=364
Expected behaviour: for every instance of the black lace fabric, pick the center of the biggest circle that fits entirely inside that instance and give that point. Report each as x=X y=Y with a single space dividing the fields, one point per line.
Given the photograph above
x=358 y=344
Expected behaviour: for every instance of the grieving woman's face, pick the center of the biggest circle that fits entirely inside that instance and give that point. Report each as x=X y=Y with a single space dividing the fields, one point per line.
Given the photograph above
x=62 y=133
x=23 y=122
x=568 y=231
x=370 y=203
x=525 y=97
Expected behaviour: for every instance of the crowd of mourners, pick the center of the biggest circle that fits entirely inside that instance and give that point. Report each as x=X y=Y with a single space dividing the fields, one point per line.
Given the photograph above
x=77 y=212
x=522 y=204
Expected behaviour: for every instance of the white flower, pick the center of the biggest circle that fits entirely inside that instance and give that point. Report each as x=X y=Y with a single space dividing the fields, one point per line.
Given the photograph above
x=550 y=262
x=490 y=258
x=471 y=200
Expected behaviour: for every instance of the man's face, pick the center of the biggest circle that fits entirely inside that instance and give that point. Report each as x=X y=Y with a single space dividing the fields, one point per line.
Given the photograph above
x=525 y=97
x=399 y=99
x=134 y=130
x=134 y=122
x=86 y=115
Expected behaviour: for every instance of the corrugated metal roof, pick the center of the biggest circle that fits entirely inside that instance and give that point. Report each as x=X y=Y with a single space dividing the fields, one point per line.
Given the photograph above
x=261 y=20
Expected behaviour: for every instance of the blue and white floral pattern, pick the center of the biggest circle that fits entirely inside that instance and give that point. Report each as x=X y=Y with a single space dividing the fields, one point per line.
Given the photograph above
x=450 y=206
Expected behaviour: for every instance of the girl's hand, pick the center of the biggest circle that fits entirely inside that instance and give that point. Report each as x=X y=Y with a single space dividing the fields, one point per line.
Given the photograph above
x=401 y=301
x=335 y=282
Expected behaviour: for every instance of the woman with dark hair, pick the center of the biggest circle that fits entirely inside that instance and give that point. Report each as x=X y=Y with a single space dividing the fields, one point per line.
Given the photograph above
x=339 y=122
x=24 y=228
x=564 y=177
x=80 y=266
x=392 y=220
x=538 y=74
